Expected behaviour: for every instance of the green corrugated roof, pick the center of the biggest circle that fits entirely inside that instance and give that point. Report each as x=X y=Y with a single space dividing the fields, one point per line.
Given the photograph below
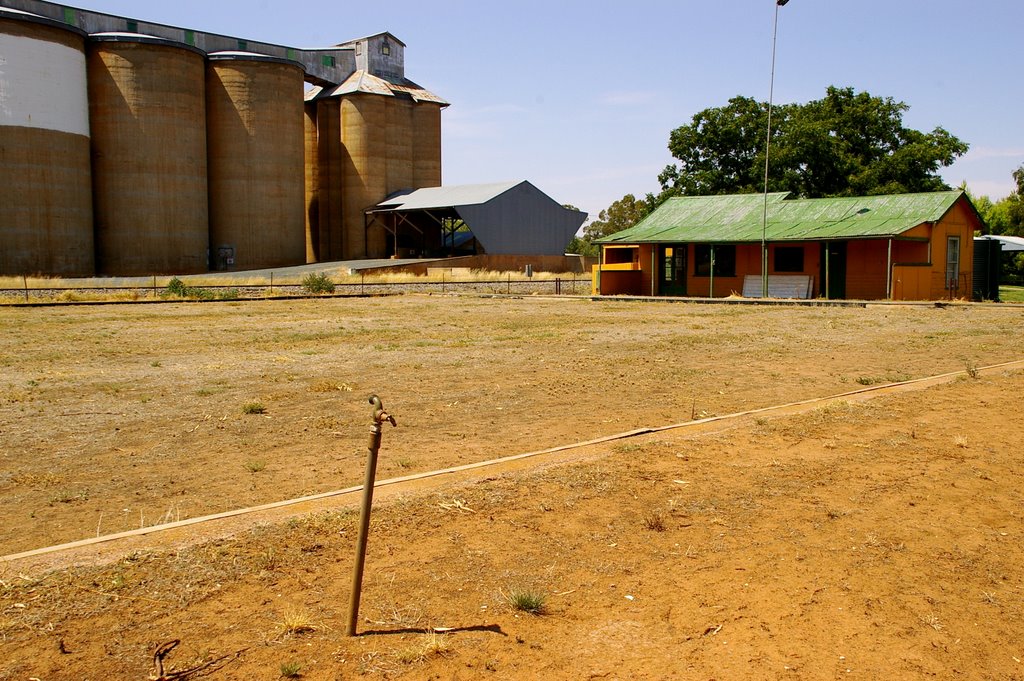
x=739 y=218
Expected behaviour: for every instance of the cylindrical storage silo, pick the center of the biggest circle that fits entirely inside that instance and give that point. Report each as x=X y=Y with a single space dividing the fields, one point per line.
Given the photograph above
x=255 y=128
x=46 y=224
x=426 y=142
x=147 y=108
x=365 y=171
x=400 y=143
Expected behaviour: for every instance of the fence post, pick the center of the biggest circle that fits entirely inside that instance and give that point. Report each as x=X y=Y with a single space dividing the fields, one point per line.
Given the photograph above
x=509 y=289
x=271 y=283
x=24 y=280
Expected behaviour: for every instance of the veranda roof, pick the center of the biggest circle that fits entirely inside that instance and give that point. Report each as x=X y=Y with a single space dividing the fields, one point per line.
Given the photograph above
x=739 y=218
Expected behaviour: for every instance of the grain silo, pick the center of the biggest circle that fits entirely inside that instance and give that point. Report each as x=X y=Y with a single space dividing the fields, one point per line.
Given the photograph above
x=255 y=128
x=426 y=155
x=364 y=172
x=147 y=110
x=45 y=187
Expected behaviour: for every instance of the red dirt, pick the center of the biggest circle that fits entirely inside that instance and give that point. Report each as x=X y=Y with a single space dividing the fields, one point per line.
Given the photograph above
x=879 y=537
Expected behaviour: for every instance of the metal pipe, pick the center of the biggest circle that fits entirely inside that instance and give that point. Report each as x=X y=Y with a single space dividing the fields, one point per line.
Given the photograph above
x=711 y=278
x=828 y=258
x=654 y=268
x=767 y=148
x=888 y=272
x=378 y=416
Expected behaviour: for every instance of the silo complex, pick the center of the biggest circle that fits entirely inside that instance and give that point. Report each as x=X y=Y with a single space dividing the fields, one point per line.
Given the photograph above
x=148 y=114
x=132 y=148
x=46 y=224
x=255 y=141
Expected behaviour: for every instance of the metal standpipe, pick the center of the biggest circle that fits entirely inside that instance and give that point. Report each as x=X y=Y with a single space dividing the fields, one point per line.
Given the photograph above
x=379 y=416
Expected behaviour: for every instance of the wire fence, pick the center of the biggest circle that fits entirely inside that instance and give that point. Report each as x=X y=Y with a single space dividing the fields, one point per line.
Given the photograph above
x=80 y=293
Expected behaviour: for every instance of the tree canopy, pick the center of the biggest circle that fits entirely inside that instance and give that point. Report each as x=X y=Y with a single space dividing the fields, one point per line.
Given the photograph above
x=846 y=144
x=1005 y=216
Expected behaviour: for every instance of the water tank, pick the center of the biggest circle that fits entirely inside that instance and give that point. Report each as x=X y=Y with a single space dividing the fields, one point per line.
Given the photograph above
x=255 y=129
x=147 y=108
x=46 y=224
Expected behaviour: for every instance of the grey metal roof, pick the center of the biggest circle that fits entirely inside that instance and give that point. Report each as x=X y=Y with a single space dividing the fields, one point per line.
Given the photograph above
x=362 y=81
x=1010 y=243
x=507 y=218
x=446 y=197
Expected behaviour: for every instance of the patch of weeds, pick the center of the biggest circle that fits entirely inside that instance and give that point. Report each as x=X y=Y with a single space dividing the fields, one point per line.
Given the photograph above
x=627 y=448
x=655 y=522
x=176 y=288
x=256 y=465
x=253 y=408
x=291 y=670
x=296 y=622
x=432 y=645
x=526 y=600
x=971 y=367
x=228 y=294
x=317 y=282
x=156 y=364
x=960 y=441
x=404 y=463
x=65 y=496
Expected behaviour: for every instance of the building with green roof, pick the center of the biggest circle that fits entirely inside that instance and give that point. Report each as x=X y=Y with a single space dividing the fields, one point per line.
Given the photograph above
x=902 y=247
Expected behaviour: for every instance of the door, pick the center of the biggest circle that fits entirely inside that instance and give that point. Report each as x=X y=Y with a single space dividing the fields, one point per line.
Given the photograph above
x=672 y=281
x=833 y=269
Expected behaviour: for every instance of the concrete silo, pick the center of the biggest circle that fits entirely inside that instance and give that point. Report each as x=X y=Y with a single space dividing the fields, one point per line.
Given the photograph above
x=46 y=223
x=147 y=110
x=364 y=171
x=255 y=137
x=426 y=153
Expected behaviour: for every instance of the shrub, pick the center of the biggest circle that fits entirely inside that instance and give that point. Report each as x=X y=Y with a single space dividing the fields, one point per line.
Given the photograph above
x=317 y=282
x=253 y=408
x=177 y=288
x=526 y=600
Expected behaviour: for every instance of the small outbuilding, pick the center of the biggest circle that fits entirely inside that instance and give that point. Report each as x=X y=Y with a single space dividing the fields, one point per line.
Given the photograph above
x=501 y=219
x=901 y=247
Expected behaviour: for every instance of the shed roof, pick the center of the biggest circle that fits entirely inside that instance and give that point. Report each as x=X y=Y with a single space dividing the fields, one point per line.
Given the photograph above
x=446 y=197
x=507 y=218
x=365 y=82
x=739 y=218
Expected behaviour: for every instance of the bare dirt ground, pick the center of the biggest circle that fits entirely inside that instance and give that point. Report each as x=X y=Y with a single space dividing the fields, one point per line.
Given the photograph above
x=868 y=540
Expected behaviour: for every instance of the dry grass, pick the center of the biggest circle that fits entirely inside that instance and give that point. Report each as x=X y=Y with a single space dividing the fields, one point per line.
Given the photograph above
x=430 y=645
x=295 y=623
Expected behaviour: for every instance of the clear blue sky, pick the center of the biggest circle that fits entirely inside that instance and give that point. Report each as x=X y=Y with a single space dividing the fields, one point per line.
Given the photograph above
x=580 y=97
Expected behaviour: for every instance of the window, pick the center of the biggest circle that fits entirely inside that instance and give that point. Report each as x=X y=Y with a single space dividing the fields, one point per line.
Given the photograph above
x=327 y=60
x=953 y=262
x=725 y=260
x=789 y=258
x=385 y=48
x=132 y=26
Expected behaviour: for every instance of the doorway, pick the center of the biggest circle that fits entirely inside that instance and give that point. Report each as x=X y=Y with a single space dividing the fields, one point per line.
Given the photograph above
x=833 y=270
x=672 y=281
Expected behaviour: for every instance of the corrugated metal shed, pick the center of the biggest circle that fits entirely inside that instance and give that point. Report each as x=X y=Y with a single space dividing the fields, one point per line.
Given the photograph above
x=507 y=218
x=740 y=218
x=1010 y=244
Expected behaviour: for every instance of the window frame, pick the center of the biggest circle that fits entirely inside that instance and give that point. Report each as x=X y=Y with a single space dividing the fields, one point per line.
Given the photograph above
x=725 y=260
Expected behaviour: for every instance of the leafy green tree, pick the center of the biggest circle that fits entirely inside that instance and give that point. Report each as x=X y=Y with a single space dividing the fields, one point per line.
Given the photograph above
x=622 y=214
x=846 y=144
